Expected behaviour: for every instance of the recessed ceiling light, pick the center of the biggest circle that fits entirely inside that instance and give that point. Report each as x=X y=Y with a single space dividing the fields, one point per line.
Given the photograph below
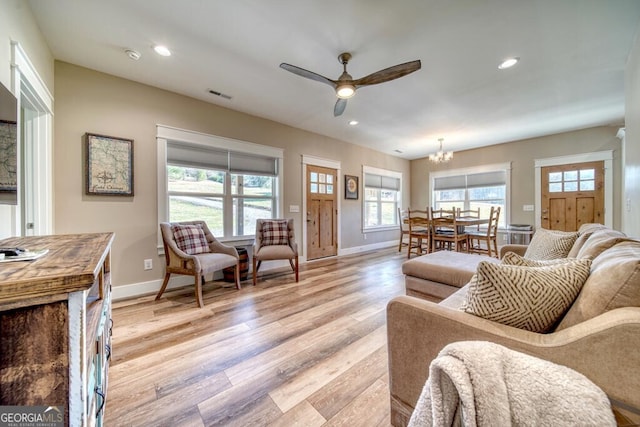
x=162 y=50
x=508 y=63
x=133 y=54
x=353 y=122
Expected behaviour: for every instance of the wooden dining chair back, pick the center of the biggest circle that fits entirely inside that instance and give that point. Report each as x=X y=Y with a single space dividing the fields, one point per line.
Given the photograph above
x=469 y=214
x=419 y=232
x=446 y=232
x=403 y=220
x=191 y=249
x=486 y=242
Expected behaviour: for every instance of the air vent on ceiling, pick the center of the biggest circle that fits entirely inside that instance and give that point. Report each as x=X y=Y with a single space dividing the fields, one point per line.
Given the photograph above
x=220 y=94
x=398 y=151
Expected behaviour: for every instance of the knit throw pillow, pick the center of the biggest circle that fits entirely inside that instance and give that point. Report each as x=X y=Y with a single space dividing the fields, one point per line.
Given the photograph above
x=190 y=238
x=530 y=298
x=550 y=244
x=275 y=232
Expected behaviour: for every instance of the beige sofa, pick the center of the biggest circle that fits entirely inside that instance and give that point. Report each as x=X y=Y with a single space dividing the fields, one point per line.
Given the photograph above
x=598 y=336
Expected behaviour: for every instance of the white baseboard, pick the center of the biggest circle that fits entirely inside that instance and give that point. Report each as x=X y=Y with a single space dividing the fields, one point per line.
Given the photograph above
x=134 y=290
x=365 y=248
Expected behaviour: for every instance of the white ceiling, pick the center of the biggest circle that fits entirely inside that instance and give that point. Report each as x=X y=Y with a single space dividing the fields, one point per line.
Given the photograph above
x=571 y=73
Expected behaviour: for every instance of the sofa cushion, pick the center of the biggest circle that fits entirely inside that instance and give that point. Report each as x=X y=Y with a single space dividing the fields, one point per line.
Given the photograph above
x=530 y=298
x=614 y=282
x=584 y=232
x=550 y=244
x=600 y=241
x=511 y=258
x=190 y=238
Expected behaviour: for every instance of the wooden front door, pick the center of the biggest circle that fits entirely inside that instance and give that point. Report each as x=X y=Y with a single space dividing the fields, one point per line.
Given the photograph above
x=572 y=195
x=322 y=212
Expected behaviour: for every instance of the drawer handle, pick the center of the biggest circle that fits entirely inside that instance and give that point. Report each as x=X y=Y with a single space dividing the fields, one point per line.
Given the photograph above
x=107 y=348
x=110 y=327
x=99 y=392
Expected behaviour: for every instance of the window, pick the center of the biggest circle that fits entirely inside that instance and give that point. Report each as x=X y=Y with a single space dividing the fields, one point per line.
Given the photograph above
x=573 y=180
x=471 y=189
x=227 y=183
x=382 y=197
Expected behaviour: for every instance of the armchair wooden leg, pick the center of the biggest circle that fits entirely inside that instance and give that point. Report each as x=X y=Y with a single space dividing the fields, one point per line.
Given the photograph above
x=164 y=286
x=199 y=290
x=255 y=271
x=237 y=275
x=296 y=268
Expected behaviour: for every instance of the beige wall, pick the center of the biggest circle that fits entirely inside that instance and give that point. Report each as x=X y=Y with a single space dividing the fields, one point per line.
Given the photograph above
x=17 y=24
x=631 y=194
x=88 y=101
x=522 y=155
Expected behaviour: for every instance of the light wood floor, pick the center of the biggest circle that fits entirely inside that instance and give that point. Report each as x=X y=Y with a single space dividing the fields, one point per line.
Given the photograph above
x=280 y=354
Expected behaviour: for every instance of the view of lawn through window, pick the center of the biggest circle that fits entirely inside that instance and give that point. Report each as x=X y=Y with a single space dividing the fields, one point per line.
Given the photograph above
x=205 y=194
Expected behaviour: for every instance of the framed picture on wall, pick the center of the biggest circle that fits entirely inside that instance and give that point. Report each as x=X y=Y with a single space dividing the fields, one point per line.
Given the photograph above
x=109 y=165
x=350 y=187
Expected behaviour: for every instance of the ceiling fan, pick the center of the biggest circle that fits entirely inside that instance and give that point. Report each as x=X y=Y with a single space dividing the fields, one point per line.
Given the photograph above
x=346 y=86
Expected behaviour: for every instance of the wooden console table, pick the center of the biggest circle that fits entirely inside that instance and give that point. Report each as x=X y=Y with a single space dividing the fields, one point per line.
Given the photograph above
x=55 y=325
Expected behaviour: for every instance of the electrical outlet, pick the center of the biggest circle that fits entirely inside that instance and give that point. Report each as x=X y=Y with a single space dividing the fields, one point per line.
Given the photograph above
x=148 y=264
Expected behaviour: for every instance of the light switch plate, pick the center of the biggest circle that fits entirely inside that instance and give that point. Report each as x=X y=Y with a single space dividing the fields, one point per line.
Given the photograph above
x=527 y=208
x=294 y=208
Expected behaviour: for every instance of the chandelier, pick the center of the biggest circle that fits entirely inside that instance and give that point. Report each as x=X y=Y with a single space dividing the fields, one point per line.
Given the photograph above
x=441 y=156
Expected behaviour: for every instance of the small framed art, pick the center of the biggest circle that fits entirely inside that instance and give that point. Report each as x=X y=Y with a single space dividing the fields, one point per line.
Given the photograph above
x=350 y=187
x=109 y=165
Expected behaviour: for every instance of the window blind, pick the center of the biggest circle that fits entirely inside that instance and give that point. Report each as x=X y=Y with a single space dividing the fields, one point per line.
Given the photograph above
x=381 y=182
x=457 y=182
x=196 y=156
x=486 y=179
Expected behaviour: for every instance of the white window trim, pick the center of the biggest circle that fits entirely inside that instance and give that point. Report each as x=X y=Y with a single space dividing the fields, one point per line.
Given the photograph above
x=606 y=156
x=477 y=169
x=382 y=172
x=168 y=133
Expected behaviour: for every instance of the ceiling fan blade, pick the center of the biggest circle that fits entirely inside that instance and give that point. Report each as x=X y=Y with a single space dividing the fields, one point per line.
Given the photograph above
x=338 y=109
x=308 y=74
x=390 y=73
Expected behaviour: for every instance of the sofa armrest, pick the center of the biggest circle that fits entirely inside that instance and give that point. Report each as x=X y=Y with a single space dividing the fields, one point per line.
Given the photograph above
x=518 y=249
x=604 y=348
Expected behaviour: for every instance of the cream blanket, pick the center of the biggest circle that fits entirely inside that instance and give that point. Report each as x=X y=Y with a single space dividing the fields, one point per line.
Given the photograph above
x=477 y=383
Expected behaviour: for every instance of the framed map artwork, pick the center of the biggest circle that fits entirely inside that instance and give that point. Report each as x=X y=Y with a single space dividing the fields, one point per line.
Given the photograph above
x=8 y=157
x=109 y=165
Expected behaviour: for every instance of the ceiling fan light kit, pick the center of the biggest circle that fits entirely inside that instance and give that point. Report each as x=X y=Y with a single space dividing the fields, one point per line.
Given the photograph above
x=346 y=86
x=345 y=91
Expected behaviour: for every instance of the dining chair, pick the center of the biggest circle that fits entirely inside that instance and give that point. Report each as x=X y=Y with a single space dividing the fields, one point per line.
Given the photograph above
x=476 y=239
x=469 y=214
x=404 y=227
x=275 y=239
x=419 y=232
x=191 y=249
x=446 y=232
